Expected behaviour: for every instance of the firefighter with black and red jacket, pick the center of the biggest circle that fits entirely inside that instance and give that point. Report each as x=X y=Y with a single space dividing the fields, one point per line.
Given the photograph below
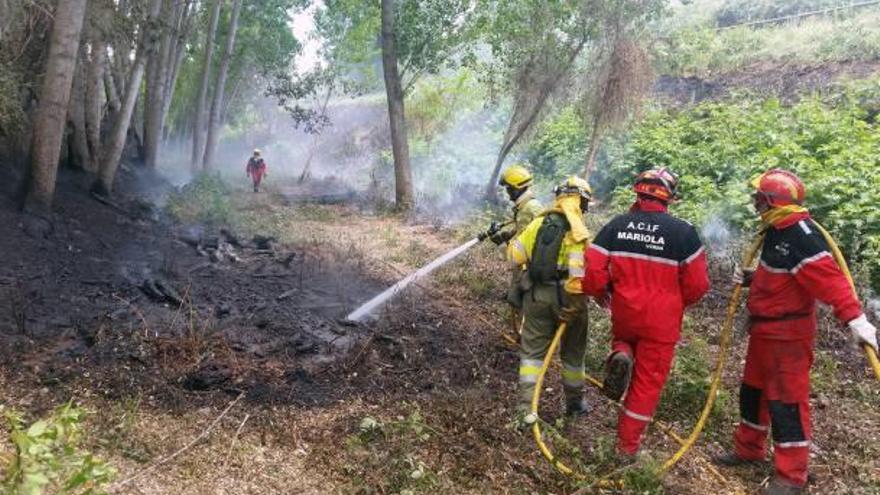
x=796 y=269
x=647 y=267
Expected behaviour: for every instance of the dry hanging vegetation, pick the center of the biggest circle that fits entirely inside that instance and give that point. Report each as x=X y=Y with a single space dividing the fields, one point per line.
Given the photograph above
x=624 y=81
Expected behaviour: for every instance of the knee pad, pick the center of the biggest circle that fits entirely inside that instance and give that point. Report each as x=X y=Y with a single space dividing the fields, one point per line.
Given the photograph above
x=750 y=403
x=788 y=431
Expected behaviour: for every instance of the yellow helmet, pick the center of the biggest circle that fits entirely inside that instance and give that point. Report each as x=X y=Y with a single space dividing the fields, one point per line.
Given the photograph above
x=575 y=185
x=516 y=176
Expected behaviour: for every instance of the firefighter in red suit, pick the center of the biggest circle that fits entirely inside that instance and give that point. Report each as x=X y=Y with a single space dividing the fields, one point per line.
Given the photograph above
x=256 y=169
x=647 y=267
x=796 y=269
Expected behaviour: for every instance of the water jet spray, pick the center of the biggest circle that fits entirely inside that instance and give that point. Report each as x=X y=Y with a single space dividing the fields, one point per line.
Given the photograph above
x=377 y=302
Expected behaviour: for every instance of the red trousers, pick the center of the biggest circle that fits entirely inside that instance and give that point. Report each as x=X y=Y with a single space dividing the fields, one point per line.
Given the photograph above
x=775 y=392
x=652 y=362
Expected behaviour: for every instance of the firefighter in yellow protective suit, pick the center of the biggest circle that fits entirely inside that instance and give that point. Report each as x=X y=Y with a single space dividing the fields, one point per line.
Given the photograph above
x=517 y=181
x=552 y=247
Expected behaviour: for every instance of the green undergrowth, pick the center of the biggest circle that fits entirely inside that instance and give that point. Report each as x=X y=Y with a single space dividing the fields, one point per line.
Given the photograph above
x=207 y=199
x=718 y=147
x=382 y=456
x=47 y=456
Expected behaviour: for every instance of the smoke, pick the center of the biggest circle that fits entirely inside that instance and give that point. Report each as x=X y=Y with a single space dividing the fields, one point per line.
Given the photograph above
x=352 y=155
x=718 y=238
x=873 y=307
x=450 y=175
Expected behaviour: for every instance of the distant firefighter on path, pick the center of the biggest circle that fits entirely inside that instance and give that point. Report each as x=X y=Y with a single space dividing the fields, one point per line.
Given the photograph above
x=256 y=169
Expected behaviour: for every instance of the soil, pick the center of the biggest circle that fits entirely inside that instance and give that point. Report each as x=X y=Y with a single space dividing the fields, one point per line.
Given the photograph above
x=226 y=315
x=157 y=306
x=780 y=79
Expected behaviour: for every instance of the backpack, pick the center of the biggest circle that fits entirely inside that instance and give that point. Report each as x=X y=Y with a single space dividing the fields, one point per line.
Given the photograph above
x=543 y=268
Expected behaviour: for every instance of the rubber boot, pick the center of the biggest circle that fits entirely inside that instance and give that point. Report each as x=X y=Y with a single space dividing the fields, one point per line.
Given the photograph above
x=731 y=459
x=779 y=486
x=617 y=375
x=576 y=406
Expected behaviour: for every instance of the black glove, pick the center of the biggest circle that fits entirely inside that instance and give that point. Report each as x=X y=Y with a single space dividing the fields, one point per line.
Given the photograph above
x=500 y=238
x=493 y=230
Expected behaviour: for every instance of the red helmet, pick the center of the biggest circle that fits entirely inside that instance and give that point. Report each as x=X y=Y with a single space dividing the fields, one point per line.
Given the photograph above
x=659 y=183
x=780 y=187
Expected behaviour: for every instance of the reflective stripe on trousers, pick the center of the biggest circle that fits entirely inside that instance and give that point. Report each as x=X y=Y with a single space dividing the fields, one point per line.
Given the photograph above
x=529 y=369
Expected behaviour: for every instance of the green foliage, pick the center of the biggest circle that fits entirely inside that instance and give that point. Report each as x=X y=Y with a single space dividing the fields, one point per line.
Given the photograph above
x=204 y=200
x=48 y=459
x=644 y=479
x=438 y=102
x=688 y=384
x=559 y=148
x=718 y=147
x=427 y=33
x=385 y=456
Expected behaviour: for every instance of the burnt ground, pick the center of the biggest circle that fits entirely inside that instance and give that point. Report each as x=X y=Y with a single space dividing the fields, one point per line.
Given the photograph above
x=165 y=308
x=788 y=81
x=326 y=407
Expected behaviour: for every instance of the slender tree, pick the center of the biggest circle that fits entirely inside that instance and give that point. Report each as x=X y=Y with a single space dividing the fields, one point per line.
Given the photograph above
x=403 y=185
x=79 y=156
x=48 y=129
x=220 y=89
x=95 y=96
x=113 y=153
x=198 y=149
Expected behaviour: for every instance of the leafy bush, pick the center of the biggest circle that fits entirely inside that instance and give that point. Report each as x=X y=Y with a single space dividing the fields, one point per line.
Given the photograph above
x=48 y=459
x=718 y=147
x=207 y=199
x=559 y=147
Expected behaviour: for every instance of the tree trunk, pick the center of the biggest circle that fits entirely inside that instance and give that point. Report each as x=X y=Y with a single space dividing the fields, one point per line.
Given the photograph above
x=157 y=84
x=595 y=139
x=198 y=150
x=178 y=50
x=76 y=115
x=403 y=184
x=116 y=144
x=518 y=126
x=112 y=94
x=54 y=95
x=95 y=99
x=313 y=148
x=220 y=89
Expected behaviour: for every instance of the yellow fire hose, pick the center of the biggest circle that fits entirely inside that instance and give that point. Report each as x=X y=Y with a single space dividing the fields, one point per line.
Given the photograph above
x=688 y=443
x=726 y=333
x=841 y=261
x=725 y=339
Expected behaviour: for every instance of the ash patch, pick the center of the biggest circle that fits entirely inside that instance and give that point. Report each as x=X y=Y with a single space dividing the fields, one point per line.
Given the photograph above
x=119 y=295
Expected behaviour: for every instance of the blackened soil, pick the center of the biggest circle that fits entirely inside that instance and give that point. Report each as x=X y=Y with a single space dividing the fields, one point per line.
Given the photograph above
x=119 y=299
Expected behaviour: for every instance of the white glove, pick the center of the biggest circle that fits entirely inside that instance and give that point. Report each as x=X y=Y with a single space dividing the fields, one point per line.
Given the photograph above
x=742 y=277
x=864 y=332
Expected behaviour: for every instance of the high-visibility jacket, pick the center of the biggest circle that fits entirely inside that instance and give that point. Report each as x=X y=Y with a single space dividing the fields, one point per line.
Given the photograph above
x=796 y=269
x=571 y=253
x=653 y=265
